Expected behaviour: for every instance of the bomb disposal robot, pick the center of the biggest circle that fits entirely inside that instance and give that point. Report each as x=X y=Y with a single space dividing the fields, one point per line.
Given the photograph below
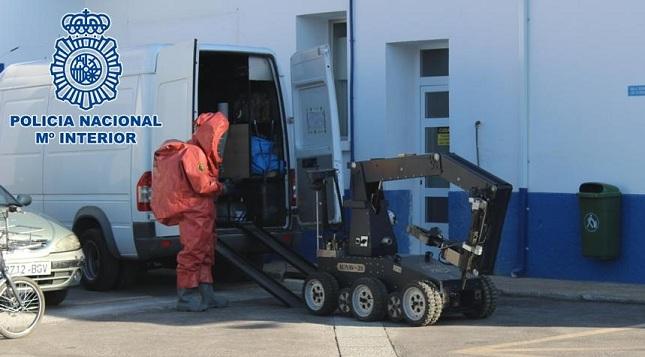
x=362 y=272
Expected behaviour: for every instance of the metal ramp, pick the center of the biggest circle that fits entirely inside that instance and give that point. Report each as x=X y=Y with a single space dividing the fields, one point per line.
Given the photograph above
x=275 y=288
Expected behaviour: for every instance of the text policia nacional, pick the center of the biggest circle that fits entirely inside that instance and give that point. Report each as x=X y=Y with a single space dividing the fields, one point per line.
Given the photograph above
x=94 y=129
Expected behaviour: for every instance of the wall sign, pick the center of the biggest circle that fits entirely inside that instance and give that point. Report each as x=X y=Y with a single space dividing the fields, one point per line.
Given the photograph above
x=443 y=136
x=635 y=91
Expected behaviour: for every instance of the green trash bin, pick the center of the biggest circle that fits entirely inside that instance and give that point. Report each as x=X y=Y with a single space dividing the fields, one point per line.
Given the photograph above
x=600 y=220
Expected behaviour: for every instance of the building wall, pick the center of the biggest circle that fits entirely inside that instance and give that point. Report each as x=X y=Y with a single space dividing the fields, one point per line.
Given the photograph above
x=243 y=22
x=484 y=75
x=581 y=127
x=584 y=127
x=551 y=94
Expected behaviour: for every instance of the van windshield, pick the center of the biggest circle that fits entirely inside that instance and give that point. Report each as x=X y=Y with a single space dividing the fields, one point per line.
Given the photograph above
x=6 y=198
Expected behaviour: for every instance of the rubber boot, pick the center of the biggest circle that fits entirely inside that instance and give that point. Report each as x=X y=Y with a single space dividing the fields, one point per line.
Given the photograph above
x=190 y=300
x=209 y=298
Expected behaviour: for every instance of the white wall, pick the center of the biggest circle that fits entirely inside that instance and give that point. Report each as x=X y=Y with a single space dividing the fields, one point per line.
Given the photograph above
x=244 y=22
x=484 y=63
x=33 y=26
x=583 y=126
x=582 y=57
x=484 y=76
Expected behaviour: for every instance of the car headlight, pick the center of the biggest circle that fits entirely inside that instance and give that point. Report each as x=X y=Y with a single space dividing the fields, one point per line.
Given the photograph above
x=68 y=243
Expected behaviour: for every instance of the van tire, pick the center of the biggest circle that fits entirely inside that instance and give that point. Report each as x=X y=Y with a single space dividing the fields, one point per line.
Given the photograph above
x=101 y=268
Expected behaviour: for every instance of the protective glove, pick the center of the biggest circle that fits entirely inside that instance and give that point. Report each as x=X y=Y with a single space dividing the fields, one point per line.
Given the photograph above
x=226 y=187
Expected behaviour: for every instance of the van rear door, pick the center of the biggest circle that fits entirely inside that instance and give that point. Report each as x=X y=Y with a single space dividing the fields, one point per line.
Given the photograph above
x=175 y=102
x=317 y=129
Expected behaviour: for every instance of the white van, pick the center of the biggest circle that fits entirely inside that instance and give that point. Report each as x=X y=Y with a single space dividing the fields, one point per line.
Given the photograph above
x=102 y=192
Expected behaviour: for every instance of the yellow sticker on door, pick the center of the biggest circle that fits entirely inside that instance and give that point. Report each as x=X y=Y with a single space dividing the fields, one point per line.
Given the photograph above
x=443 y=137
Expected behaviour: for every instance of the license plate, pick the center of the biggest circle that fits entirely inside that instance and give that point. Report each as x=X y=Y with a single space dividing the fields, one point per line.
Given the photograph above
x=30 y=269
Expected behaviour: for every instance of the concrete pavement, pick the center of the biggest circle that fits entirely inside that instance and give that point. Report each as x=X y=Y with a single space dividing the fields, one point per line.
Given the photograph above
x=142 y=322
x=261 y=327
x=158 y=294
x=571 y=290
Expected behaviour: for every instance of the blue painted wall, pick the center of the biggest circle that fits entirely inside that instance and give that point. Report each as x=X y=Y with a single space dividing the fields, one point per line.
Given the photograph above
x=554 y=241
x=553 y=247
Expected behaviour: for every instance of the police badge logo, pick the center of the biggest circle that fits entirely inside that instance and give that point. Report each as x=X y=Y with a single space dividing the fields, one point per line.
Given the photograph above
x=85 y=66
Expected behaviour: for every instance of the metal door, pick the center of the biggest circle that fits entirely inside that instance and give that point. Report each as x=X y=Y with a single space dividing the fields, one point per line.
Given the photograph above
x=176 y=100
x=317 y=128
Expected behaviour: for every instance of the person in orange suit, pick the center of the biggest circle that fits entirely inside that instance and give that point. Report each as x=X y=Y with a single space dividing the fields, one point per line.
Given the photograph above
x=184 y=187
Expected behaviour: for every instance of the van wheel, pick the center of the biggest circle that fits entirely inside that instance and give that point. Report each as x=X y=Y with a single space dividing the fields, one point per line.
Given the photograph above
x=101 y=268
x=55 y=298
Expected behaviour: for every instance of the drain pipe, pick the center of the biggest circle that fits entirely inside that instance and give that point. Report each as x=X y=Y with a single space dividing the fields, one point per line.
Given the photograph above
x=523 y=207
x=351 y=80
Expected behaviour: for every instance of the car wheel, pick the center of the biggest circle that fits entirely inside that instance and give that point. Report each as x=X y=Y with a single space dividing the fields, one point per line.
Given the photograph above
x=101 y=268
x=55 y=298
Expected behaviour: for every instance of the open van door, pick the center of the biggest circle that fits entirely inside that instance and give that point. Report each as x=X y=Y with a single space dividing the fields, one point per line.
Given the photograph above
x=176 y=100
x=317 y=128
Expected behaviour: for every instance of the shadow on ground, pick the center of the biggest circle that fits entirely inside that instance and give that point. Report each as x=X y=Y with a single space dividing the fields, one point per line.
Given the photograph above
x=260 y=311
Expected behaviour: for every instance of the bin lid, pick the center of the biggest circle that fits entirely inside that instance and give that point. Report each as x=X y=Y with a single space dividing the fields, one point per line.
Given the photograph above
x=598 y=189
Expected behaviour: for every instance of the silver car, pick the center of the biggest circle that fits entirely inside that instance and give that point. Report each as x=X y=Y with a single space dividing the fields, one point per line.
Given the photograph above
x=40 y=248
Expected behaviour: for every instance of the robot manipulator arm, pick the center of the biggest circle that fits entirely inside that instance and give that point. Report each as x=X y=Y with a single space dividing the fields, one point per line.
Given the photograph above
x=464 y=255
x=468 y=255
x=370 y=224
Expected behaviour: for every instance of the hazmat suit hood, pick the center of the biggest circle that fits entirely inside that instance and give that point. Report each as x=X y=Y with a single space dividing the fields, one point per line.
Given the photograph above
x=210 y=136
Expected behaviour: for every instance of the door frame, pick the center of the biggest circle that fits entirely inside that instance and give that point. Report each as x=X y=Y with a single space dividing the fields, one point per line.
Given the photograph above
x=422 y=190
x=424 y=85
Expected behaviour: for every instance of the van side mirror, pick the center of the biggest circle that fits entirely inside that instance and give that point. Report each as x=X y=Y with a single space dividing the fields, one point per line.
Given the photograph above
x=24 y=200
